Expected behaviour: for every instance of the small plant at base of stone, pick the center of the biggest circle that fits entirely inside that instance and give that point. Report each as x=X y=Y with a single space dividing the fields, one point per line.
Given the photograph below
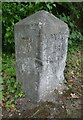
x=11 y=88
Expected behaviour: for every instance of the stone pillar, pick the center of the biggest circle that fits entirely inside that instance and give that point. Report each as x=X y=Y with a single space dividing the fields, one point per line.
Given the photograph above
x=41 y=42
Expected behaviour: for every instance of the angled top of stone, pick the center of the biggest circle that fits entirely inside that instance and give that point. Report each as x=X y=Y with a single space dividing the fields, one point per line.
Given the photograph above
x=41 y=16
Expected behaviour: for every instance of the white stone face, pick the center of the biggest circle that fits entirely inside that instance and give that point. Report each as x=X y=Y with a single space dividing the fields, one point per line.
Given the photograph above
x=41 y=49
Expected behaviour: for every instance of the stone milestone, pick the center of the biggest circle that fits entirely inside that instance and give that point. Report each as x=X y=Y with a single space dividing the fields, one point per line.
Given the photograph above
x=41 y=42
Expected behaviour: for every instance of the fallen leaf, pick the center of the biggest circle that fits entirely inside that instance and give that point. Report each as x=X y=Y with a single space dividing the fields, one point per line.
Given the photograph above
x=73 y=95
x=19 y=113
x=72 y=72
x=10 y=115
x=69 y=81
x=73 y=77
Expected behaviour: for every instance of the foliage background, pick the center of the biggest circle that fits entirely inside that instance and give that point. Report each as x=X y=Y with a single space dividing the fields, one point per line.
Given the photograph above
x=71 y=13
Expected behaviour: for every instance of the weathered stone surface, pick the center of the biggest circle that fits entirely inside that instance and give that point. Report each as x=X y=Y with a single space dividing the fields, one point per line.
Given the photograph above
x=41 y=49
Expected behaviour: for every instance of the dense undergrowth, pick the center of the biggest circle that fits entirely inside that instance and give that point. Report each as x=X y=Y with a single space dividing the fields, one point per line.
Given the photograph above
x=11 y=88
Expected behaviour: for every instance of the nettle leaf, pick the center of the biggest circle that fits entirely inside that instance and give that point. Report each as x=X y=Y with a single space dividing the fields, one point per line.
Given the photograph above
x=13 y=105
x=71 y=24
x=8 y=103
x=49 y=6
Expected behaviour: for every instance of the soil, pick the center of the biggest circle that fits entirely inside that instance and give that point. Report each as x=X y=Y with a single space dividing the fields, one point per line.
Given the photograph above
x=67 y=105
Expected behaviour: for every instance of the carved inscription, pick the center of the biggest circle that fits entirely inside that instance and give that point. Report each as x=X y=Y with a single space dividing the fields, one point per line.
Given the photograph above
x=57 y=48
x=27 y=43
